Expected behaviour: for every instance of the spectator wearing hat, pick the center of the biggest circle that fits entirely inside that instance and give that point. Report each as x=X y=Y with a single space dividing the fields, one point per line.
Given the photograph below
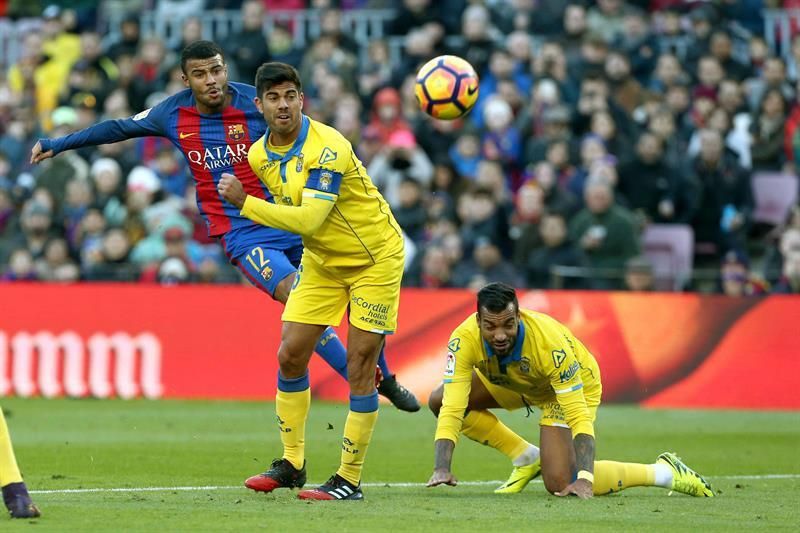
x=386 y=115
x=606 y=233
x=106 y=176
x=401 y=158
x=142 y=190
x=735 y=277
x=639 y=275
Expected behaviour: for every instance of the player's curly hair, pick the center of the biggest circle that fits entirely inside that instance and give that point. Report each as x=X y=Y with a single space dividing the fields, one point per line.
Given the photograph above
x=495 y=297
x=275 y=73
x=200 y=50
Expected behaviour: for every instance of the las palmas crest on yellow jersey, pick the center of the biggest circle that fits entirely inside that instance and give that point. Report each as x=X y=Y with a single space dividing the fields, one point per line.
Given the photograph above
x=325 y=180
x=236 y=131
x=327 y=156
x=524 y=365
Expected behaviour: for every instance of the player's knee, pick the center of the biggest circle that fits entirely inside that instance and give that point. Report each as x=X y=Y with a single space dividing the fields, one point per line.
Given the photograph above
x=291 y=364
x=555 y=483
x=435 y=401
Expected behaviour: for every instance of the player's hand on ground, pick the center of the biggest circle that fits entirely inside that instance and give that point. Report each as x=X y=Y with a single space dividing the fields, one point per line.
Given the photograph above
x=37 y=156
x=442 y=477
x=580 y=488
x=231 y=189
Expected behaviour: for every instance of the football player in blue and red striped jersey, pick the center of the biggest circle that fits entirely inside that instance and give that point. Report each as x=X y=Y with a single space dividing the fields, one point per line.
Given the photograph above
x=213 y=123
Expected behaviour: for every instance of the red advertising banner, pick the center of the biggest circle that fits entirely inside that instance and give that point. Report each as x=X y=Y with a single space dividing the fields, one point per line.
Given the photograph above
x=662 y=350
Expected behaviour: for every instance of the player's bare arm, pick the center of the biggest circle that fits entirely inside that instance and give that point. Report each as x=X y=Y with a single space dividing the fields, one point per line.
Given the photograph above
x=584 y=459
x=444 y=458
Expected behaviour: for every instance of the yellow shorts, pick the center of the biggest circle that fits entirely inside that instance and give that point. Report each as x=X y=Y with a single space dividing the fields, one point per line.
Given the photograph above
x=552 y=415
x=321 y=295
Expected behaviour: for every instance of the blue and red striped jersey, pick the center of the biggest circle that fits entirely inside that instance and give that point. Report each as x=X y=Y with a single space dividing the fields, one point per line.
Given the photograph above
x=211 y=144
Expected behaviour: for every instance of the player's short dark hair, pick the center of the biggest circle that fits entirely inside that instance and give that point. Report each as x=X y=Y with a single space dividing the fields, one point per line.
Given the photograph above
x=275 y=73
x=495 y=297
x=200 y=50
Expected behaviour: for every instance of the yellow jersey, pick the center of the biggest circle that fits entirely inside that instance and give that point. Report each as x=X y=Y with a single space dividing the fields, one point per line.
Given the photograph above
x=547 y=364
x=323 y=193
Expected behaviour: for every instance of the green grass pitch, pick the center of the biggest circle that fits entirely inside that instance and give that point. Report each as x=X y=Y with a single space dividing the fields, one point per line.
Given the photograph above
x=197 y=454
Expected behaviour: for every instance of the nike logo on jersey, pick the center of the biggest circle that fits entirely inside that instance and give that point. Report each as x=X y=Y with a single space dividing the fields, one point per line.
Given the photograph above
x=184 y=135
x=327 y=156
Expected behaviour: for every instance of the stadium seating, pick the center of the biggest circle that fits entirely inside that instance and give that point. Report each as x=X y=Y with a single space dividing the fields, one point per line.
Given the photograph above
x=774 y=194
x=670 y=247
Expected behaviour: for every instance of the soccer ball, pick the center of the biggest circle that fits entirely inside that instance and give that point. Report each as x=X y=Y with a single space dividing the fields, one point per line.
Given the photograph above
x=446 y=87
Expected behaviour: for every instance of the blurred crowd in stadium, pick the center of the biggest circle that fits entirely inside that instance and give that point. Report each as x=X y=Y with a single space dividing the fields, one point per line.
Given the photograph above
x=595 y=120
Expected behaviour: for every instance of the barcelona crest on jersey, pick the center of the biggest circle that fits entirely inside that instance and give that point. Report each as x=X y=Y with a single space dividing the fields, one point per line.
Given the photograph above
x=236 y=131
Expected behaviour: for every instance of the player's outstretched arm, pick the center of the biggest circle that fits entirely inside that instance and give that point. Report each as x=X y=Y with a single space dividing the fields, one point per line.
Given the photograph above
x=106 y=132
x=444 y=458
x=303 y=219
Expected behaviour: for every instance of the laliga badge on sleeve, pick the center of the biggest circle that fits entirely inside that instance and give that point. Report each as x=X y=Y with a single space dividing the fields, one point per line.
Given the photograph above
x=450 y=367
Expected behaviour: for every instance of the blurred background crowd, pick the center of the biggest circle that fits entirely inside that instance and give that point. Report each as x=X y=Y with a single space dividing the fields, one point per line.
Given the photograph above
x=615 y=144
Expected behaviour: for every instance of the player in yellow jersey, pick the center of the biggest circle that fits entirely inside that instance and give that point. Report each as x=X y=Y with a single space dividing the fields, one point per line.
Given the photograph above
x=503 y=356
x=15 y=493
x=353 y=258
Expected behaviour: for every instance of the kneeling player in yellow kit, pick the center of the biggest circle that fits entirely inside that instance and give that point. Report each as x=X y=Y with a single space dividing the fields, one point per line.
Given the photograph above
x=353 y=257
x=506 y=357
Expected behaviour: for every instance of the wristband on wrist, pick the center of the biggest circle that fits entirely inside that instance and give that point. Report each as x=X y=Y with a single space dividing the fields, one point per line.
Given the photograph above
x=585 y=474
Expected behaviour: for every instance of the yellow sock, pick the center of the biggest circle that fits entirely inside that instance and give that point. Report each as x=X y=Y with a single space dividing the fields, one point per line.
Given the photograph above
x=485 y=428
x=9 y=471
x=611 y=476
x=291 y=405
x=357 y=434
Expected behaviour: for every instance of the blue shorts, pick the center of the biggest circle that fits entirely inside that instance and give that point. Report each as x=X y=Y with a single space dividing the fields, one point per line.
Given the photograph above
x=266 y=267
